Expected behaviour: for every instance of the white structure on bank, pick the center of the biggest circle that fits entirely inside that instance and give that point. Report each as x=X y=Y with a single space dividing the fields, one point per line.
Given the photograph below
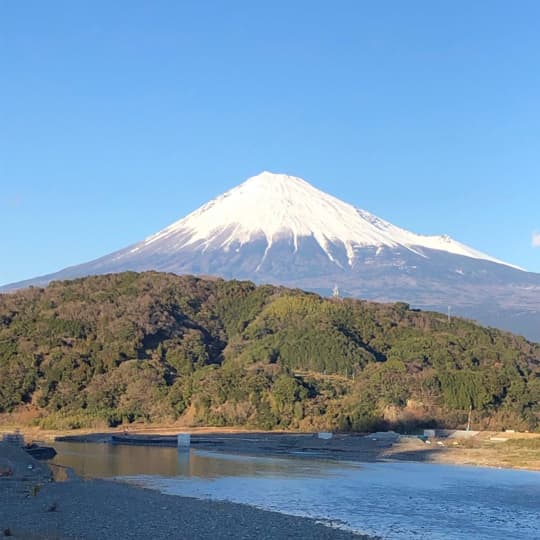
x=183 y=441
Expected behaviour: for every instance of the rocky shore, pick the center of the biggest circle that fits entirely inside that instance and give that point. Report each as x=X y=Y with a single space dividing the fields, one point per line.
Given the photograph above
x=34 y=507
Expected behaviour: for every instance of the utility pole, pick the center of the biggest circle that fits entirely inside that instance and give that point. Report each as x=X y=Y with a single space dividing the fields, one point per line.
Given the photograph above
x=449 y=310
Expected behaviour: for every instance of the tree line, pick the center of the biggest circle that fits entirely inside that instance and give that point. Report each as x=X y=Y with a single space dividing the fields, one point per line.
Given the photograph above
x=154 y=347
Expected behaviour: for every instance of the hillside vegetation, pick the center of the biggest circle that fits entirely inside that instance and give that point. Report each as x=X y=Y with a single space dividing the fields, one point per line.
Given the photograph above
x=127 y=347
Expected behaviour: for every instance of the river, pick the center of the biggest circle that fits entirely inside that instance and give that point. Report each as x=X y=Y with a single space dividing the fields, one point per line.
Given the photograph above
x=394 y=500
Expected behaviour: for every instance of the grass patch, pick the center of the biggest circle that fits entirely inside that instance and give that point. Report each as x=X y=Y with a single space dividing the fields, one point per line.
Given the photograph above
x=523 y=444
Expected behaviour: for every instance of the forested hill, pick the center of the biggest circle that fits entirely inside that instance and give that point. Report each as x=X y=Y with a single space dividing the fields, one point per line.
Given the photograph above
x=158 y=347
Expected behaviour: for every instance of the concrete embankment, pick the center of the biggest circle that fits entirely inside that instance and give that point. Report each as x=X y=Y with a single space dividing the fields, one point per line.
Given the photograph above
x=339 y=446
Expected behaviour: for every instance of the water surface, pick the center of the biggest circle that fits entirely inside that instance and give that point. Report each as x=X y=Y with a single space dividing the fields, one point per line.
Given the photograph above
x=394 y=500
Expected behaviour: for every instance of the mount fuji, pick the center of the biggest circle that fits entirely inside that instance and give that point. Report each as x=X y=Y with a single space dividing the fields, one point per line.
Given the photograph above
x=275 y=228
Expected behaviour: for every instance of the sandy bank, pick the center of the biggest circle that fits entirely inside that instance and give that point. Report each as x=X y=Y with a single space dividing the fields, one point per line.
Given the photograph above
x=489 y=449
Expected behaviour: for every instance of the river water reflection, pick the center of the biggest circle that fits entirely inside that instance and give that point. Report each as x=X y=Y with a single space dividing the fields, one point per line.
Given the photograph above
x=394 y=500
x=92 y=460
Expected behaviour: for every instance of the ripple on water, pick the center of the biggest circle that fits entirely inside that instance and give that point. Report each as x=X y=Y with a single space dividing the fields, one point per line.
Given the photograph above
x=394 y=500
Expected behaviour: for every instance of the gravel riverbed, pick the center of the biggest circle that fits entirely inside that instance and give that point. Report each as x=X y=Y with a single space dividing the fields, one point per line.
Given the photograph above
x=33 y=507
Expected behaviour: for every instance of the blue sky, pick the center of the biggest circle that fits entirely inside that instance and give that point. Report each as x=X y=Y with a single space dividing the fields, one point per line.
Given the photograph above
x=118 y=118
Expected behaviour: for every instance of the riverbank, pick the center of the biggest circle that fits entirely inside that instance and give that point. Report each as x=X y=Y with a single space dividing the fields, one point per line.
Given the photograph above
x=486 y=449
x=34 y=508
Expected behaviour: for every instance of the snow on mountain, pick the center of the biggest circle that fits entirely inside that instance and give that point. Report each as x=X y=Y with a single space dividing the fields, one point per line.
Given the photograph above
x=277 y=206
x=279 y=229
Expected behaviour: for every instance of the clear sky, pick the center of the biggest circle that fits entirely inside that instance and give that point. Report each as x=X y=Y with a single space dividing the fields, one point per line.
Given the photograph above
x=118 y=118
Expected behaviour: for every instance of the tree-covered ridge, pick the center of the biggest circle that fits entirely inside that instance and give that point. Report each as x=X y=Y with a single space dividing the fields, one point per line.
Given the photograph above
x=125 y=347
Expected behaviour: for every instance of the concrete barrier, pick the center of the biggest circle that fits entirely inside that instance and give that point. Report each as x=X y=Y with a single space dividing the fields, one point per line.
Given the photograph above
x=184 y=441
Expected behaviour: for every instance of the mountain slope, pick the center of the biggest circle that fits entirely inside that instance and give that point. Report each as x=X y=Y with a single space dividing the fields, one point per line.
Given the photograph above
x=276 y=207
x=279 y=229
x=155 y=347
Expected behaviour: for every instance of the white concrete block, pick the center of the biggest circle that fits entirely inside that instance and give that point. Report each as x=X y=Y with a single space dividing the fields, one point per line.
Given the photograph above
x=184 y=440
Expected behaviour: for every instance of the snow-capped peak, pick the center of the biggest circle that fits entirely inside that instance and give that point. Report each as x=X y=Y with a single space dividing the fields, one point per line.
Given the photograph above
x=279 y=206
